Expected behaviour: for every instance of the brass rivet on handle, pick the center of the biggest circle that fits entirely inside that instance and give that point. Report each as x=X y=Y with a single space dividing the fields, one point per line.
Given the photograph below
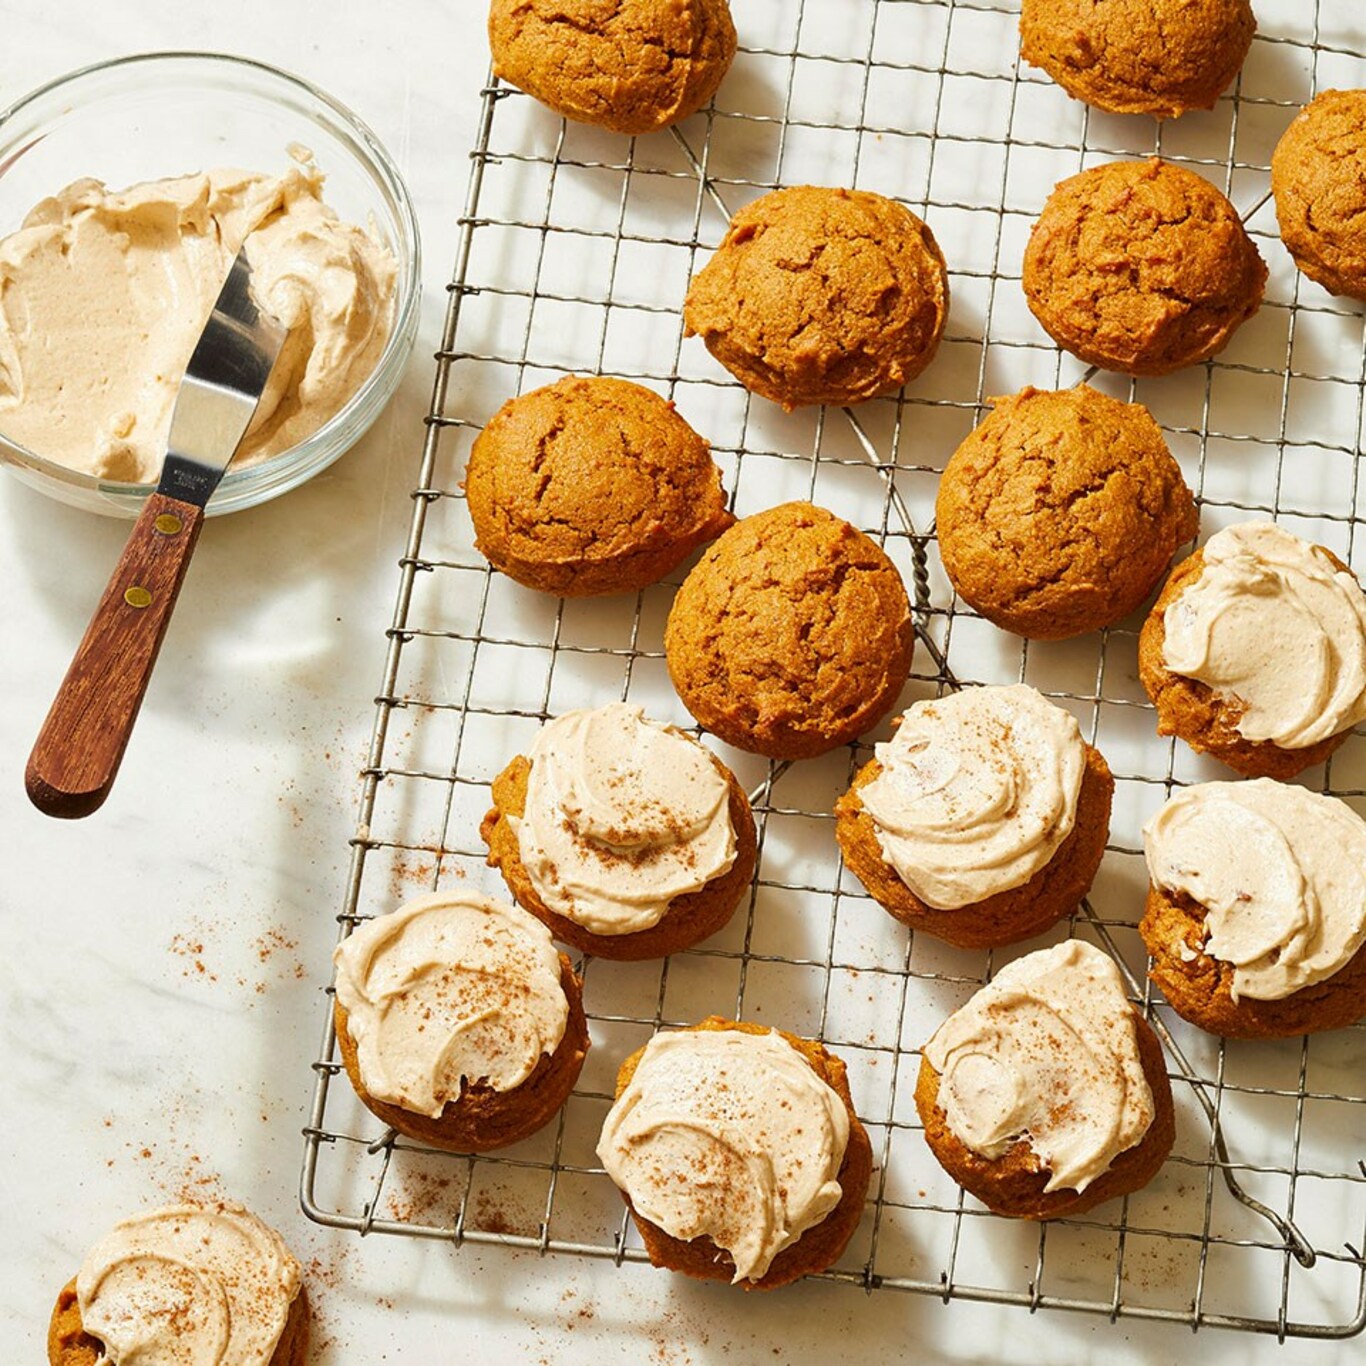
x=168 y=524
x=137 y=596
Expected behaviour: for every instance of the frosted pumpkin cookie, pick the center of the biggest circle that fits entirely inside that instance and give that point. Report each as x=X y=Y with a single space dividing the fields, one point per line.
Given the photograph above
x=458 y=1022
x=1318 y=175
x=792 y=634
x=1046 y=1093
x=1255 y=652
x=822 y=296
x=1256 y=915
x=1061 y=512
x=739 y=1153
x=628 y=65
x=625 y=837
x=1160 y=57
x=1141 y=267
x=983 y=820
x=591 y=486
x=187 y=1283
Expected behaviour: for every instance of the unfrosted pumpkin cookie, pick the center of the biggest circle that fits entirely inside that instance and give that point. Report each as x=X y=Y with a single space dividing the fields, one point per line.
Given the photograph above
x=1061 y=512
x=1141 y=267
x=184 y=1283
x=1255 y=651
x=822 y=296
x=591 y=486
x=1318 y=175
x=738 y=1152
x=983 y=821
x=791 y=635
x=1046 y=1093
x=1256 y=915
x=625 y=837
x=457 y=1021
x=631 y=66
x=1160 y=57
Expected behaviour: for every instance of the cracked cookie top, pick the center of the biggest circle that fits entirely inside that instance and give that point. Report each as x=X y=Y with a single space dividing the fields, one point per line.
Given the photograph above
x=592 y=486
x=792 y=635
x=1160 y=57
x=1318 y=175
x=1060 y=513
x=1142 y=267
x=632 y=66
x=822 y=296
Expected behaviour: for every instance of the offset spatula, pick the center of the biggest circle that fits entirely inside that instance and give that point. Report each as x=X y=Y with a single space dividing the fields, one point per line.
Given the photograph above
x=81 y=744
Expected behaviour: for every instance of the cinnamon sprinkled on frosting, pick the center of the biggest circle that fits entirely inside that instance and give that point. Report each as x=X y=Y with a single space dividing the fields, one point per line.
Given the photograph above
x=1047 y=1052
x=977 y=791
x=731 y=1135
x=623 y=815
x=451 y=988
x=190 y=1285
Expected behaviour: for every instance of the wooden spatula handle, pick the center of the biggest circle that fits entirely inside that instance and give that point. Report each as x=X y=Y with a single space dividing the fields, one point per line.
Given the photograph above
x=81 y=744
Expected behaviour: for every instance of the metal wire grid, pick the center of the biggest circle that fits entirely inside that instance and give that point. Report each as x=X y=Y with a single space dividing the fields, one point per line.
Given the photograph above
x=474 y=667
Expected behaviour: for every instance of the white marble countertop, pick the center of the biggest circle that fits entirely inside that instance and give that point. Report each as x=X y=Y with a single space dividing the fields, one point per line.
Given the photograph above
x=158 y=985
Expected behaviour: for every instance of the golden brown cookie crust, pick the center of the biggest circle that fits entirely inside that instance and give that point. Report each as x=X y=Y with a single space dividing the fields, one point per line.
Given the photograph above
x=1159 y=57
x=1318 y=175
x=68 y=1344
x=1142 y=267
x=1007 y=917
x=822 y=296
x=591 y=486
x=1201 y=990
x=632 y=66
x=1013 y=1184
x=822 y=1244
x=792 y=635
x=689 y=920
x=1205 y=721
x=484 y=1119
x=1061 y=512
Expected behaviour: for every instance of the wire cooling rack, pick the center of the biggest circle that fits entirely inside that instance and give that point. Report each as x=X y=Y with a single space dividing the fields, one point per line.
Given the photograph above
x=575 y=254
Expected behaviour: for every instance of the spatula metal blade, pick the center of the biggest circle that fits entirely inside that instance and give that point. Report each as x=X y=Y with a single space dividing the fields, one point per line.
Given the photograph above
x=223 y=384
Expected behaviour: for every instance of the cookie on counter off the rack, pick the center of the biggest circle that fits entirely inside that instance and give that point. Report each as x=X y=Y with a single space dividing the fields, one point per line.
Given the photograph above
x=1061 y=512
x=631 y=66
x=1256 y=915
x=983 y=821
x=1142 y=267
x=822 y=295
x=625 y=837
x=738 y=1152
x=458 y=1023
x=184 y=1283
x=792 y=634
x=1160 y=57
x=1318 y=176
x=591 y=486
x=1255 y=651
x=1047 y=1094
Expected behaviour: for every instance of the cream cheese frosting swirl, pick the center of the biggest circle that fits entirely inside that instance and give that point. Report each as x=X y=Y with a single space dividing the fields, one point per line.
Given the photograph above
x=1047 y=1052
x=1273 y=624
x=103 y=295
x=977 y=791
x=731 y=1135
x=451 y=988
x=190 y=1285
x=623 y=815
x=1280 y=871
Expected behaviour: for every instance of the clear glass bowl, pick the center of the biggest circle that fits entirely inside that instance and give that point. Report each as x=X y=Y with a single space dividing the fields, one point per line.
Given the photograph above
x=171 y=113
